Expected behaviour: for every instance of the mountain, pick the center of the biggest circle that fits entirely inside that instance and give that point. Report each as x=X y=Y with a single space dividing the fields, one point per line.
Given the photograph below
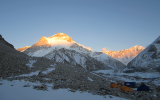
x=23 y=48
x=148 y=60
x=61 y=48
x=126 y=55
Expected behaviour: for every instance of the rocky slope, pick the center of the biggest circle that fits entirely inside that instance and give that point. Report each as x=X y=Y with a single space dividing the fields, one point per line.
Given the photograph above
x=126 y=55
x=61 y=48
x=12 y=62
x=2 y=40
x=148 y=60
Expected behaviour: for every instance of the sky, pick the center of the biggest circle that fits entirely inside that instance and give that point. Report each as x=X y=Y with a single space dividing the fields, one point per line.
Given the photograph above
x=111 y=24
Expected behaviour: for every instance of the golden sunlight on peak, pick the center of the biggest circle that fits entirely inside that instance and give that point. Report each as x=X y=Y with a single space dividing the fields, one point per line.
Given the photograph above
x=131 y=52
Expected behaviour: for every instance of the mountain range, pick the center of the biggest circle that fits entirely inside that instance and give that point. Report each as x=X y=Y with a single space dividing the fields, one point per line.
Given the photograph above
x=61 y=39
x=66 y=64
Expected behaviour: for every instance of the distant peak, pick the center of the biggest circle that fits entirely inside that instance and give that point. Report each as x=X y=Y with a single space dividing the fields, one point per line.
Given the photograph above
x=138 y=47
x=23 y=48
x=131 y=52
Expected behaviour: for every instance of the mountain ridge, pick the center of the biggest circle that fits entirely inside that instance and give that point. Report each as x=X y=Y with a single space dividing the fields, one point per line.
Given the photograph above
x=62 y=39
x=126 y=55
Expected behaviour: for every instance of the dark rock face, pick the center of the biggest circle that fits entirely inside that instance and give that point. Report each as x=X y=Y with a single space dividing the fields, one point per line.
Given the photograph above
x=12 y=62
x=5 y=42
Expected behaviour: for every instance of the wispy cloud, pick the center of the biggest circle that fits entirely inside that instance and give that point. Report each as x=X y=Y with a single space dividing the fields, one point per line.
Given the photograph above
x=104 y=49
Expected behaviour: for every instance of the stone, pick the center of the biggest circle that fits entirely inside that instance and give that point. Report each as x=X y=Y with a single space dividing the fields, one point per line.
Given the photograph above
x=73 y=90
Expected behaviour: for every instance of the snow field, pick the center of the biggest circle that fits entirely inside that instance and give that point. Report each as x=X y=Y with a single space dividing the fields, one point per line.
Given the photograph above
x=18 y=92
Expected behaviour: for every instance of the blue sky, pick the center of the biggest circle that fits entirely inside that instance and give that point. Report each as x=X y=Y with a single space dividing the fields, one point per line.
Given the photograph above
x=114 y=24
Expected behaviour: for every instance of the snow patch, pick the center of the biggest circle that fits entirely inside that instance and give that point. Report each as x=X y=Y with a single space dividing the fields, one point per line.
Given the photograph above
x=90 y=79
x=31 y=62
x=30 y=74
x=48 y=70
x=105 y=71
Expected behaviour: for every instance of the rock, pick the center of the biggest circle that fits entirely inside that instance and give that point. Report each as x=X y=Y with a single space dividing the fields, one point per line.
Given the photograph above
x=40 y=87
x=110 y=97
x=26 y=85
x=73 y=90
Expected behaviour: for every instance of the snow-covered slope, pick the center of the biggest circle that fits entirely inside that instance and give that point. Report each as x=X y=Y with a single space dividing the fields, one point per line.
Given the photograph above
x=61 y=48
x=125 y=60
x=148 y=60
x=102 y=57
x=126 y=55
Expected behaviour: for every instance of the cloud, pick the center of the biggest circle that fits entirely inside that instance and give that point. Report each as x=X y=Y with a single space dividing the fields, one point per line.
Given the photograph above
x=104 y=49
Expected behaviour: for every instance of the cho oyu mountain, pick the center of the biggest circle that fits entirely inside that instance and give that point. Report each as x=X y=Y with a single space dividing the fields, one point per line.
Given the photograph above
x=126 y=55
x=61 y=48
x=148 y=60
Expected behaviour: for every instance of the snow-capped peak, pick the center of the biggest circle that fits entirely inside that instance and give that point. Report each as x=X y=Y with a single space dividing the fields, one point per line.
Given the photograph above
x=136 y=47
x=126 y=55
x=60 y=36
x=57 y=39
